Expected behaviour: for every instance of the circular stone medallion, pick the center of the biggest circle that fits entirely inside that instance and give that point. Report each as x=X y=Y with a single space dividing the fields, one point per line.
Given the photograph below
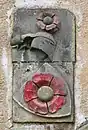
x=45 y=93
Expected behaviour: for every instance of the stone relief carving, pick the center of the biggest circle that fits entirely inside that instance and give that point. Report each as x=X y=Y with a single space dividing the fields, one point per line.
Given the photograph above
x=37 y=45
x=43 y=66
x=48 y=22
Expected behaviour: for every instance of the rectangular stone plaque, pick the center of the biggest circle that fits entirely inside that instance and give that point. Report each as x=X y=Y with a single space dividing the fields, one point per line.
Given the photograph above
x=24 y=72
x=43 y=57
x=27 y=25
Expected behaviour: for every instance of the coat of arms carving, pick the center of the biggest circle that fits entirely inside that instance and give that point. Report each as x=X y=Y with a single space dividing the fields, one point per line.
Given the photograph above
x=43 y=57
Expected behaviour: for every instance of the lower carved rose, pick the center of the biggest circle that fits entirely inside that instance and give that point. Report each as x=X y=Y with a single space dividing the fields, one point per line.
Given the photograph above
x=45 y=93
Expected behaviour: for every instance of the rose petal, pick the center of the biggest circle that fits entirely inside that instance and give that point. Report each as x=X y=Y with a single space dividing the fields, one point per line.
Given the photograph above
x=56 y=103
x=37 y=106
x=41 y=24
x=42 y=79
x=40 y=17
x=58 y=86
x=50 y=27
x=30 y=91
x=56 y=20
x=53 y=14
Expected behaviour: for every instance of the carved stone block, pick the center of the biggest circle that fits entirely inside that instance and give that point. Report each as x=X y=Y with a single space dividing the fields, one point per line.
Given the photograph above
x=61 y=105
x=43 y=57
x=52 y=43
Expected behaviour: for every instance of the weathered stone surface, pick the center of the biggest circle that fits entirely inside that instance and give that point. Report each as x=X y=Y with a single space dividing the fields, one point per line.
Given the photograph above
x=5 y=68
x=42 y=126
x=80 y=9
x=25 y=22
x=41 y=48
x=38 y=52
x=83 y=126
x=21 y=75
x=2 y=126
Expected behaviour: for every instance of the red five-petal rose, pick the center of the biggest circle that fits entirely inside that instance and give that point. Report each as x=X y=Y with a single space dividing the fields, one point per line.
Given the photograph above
x=58 y=86
x=42 y=79
x=38 y=106
x=56 y=103
x=30 y=91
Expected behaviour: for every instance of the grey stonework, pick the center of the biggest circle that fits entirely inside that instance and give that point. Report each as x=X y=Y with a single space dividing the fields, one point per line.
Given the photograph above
x=83 y=126
x=64 y=46
x=37 y=126
x=37 y=51
x=80 y=9
x=21 y=75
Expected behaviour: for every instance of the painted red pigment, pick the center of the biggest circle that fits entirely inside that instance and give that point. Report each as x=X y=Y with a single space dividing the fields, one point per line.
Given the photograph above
x=38 y=106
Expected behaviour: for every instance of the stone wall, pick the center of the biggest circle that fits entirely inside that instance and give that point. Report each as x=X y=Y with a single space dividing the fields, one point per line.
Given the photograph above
x=5 y=67
x=79 y=8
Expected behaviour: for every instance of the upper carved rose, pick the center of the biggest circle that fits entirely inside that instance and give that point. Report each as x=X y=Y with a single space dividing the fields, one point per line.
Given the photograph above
x=48 y=22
